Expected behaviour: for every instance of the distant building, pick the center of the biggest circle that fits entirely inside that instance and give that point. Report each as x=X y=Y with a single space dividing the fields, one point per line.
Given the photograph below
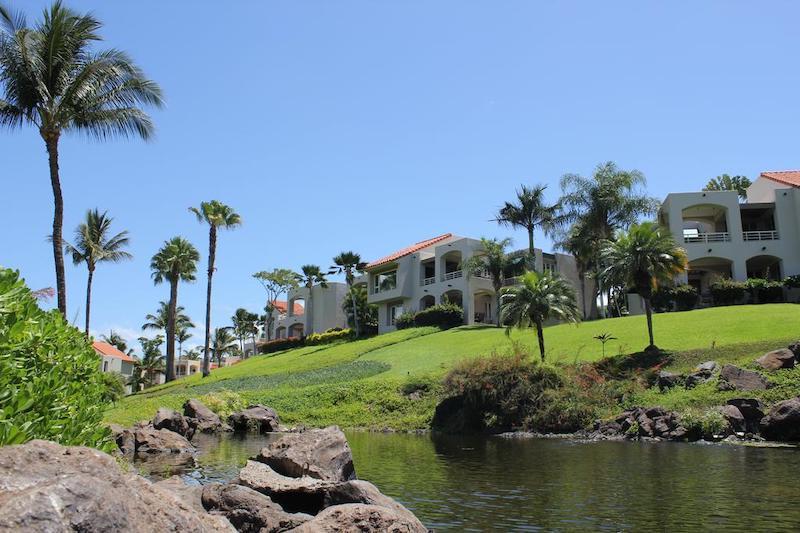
x=114 y=360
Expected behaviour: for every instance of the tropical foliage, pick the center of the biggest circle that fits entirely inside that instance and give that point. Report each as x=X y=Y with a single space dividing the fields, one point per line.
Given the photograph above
x=275 y=282
x=367 y=313
x=529 y=212
x=493 y=261
x=726 y=182
x=150 y=365
x=223 y=344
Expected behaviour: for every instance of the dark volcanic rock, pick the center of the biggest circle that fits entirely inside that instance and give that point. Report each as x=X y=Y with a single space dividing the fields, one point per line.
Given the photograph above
x=191 y=495
x=319 y=453
x=157 y=441
x=201 y=418
x=47 y=487
x=752 y=410
x=777 y=359
x=125 y=439
x=359 y=491
x=249 y=511
x=359 y=517
x=257 y=418
x=667 y=380
x=650 y=422
x=734 y=378
x=783 y=421
x=734 y=418
x=294 y=494
x=173 y=421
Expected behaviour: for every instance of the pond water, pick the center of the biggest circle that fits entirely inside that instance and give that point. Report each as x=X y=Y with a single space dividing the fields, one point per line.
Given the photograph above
x=497 y=484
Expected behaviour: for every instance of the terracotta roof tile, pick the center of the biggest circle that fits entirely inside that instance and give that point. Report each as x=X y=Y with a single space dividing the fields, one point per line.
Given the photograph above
x=104 y=348
x=408 y=250
x=787 y=177
x=281 y=306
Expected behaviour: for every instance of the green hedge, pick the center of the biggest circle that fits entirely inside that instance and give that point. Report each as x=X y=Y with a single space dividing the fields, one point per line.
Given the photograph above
x=405 y=320
x=728 y=292
x=51 y=386
x=442 y=315
x=331 y=335
x=763 y=291
x=278 y=345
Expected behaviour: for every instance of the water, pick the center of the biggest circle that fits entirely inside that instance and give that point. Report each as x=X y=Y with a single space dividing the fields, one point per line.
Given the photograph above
x=496 y=484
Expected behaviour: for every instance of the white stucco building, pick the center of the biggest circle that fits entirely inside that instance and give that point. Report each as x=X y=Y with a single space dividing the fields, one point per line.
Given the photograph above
x=114 y=360
x=311 y=311
x=430 y=272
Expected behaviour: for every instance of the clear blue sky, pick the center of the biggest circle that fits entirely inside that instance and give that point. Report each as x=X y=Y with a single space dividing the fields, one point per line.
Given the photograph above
x=373 y=125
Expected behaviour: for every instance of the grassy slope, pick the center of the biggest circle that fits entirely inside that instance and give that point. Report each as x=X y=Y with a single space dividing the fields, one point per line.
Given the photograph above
x=357 y=383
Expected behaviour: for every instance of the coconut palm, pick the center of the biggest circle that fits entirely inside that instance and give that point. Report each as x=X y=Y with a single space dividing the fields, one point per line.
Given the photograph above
x=52 y=79
x=612 y=199
x=176 y=261
x=494 y=261
x=94 y=244
x=151 y=363
x=182 y=335
x=192 y=355
x=530 y=211
x=241 y=325
x=579 y=242
x=644 y=257
x=729 y=183
x=536 y=299
x=115 y=339
x=223 y=344
x=159 y=320
x=309 y=276
x=276 y=282
x=217 y=215
x=349 y=263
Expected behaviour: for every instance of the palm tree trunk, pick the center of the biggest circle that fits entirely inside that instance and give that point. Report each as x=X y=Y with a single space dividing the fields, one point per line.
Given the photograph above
x=649 y=312
x=355 y=311
x=498 y=287
x=309 y=312
x=51 y=141
x=599 y=279
x=540 y=334
x=583 y=292
x=531 y=250
x=89 y=298
x=173 y=304
x=254 y=342
x=212 y=251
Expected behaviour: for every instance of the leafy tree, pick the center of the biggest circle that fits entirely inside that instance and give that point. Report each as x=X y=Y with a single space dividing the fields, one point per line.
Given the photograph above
x=160 y=319
x=644 y=257
x=192 y=355
x=151 y=364
x=53 y=80
x=367 y=313
x=579 y=242
x=309 y=276
x=350 y=263
x=114 y=385
x=223 y=344
x=530 y=211
x=176 y=261
x=93 y=245
x=729 y=183
x=276 y=282
x=536 y=299
x=494 y=261
x=217 y=215
x=608 y=201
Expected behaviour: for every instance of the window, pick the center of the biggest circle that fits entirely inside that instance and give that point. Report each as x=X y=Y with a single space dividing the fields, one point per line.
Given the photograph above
x=105 y=366
x=550 y=267
x=384 y=282
x=394 y=312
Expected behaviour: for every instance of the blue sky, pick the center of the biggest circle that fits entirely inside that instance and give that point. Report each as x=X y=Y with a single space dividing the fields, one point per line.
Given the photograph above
x=373 y=125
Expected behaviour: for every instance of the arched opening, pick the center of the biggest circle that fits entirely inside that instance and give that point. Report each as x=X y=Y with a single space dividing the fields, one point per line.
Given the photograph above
x=765 y=267
x=705 y=223
x=706 y=270
x=296 y=306
x=296 y=330
x=280 y=332
x=484 y=305
x=451 y=265
x=426 y=301
x=453 y=296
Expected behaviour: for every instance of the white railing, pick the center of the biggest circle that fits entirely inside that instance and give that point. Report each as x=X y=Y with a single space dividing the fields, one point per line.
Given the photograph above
x=483 y=274
x=719 y=236
x=452 y=275
x=769 y=235
x=428 y=281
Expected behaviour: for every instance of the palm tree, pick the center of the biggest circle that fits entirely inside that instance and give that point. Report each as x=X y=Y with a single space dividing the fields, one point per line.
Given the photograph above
x=276 y=282
x=729 y=183
x=192 y=355
x=240 y=320
x=52 y=80
x=182 y=335
x=152 y=362
x=536 y=299
x=608 y=201
x=176 y=261
x=644 y=257
x=116 y=340
x=349 y=263
x=160 y=320
x=310 y=275
x=493 y=261
x=93 y=245
x=223 y=344
x=530 y=212
x=216 y=215
x=579 y=242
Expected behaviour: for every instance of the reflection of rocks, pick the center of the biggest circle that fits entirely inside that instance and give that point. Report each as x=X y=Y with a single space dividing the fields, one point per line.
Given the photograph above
x=319 y=453
x=248 y=510
x=256 y=418
x=359 y=517
x=734 y=378
x=201 y=418
x=783 y=421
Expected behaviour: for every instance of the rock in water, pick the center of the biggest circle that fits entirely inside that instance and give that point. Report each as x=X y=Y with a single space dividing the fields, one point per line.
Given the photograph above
x=172 y=420
x=734 y=418
x=359 y=517
x=258 y=418
x=734 y=378
x=201 y=418
x=359 y=491
x=248 y=510
x=319 y=453
x=777 y=359
x=783 y=421
x=48 y=487
x=156 y=441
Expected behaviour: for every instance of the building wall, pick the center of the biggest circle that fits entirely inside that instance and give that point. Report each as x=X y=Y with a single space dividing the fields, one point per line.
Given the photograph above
x=325 y=308
x=763 y=190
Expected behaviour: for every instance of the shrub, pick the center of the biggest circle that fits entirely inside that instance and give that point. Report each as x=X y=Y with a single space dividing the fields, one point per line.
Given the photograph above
x=114 y=384
x=51 y=386
x=442 y=315
x=685 y=297
x=663 y=299
x=331 y=335
x=405 y=320
x=706 y=424
x=278 y=345
x=224 y=402
x=792 y=282
x=764 y=291
x=727 y=292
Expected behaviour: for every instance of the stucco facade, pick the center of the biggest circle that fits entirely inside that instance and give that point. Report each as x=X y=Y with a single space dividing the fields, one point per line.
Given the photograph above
x=311 y=311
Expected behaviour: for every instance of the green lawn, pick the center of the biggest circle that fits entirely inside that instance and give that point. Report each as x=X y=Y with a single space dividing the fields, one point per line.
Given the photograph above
x=358 y=383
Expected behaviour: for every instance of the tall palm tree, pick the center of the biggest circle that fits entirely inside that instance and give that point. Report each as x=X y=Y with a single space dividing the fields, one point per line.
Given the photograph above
x=115 y=339
x=160 y=320
x=93 y=245
x=530 y=211
x=349 y=263
x=223 y=344
x=579 y=242
x=216 y=215
x=176 y=261
x=612 y=199
x=644 y=257
x=309 y=276
x=240 y=320
x=182 y=335
x=494 y=261
x=152 y=362
x=536 y=299
x=726 y=182
x=52 y=79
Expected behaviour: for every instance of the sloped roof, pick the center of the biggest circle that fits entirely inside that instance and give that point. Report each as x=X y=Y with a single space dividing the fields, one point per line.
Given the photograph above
x=787 y=177
x=104 y=348
x=408 y=250
x=282 y=306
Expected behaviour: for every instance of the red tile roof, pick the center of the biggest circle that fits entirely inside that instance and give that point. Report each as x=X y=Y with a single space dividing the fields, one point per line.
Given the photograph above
x=787 y=177
x=281 y=306
x=104 y=348
x=408 y=250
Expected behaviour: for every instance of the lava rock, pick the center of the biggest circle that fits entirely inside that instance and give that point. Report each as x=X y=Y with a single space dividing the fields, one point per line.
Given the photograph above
x=249 y=511
x=257 y=418
x=319 y=453
x=734 y=418
x=158 y=441
x=201 y=418
x=752 y=410
x=783 y=421
x=734 y=378
x=125 y=439
x=172 y=420
x=641 y=422
x=667 y=380
x=191 y=495
x=359 y=517
x=777 y=359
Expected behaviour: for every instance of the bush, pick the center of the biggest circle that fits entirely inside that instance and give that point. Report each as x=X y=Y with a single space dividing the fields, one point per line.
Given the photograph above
x=224 y=402
x=51 y=386
x=764 y=291
x=792 y=282
x=685 y=297
x=278 y=345
x=706 y=424
x=405 y=320
x=114 y=384
x=443 y=315
x=331 y=335
x=727 y=292
x=662 y=300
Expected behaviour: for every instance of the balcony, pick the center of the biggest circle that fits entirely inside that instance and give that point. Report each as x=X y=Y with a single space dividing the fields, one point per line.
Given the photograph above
x=453 y=275
x=427 y=281
x=768 y=235
x=717 y=236
x=483 y=274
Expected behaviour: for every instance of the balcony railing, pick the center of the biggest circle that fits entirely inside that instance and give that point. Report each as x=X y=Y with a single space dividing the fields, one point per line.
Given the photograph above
x=769 y=235
x=452 y=275
x=483 y=274
x=427 y=281
x=719 y=236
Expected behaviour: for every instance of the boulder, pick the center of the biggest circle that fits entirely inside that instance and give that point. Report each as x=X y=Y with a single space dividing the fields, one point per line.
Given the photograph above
x=783 y=421
x=257 y=418
x=752 y=410
x=173 y=421
x=294 y=494
x=777 y=359
x=48 y=487
x=248 y=510
x=360 y=491
x=157 y=441
x=359 y=517
x=667 y=380
x=795 y=348
x=201 y=418
x=734 y=378
x=191 y=495
x=319 y=453
x=734 y=418
x=708 y=366
x=125 y=439
x=649 y=422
